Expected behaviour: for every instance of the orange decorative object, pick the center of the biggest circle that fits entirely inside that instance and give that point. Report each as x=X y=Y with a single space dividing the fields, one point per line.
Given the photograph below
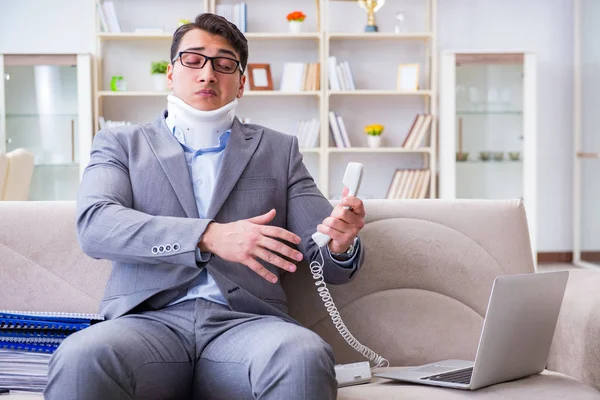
x=296 y=16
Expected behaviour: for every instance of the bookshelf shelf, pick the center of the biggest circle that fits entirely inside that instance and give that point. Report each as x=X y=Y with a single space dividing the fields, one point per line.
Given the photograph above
x=258 y=93
x=304 y=113
x=249 y=35
x=134 y=36
x=377 y=150
x=110 y=93
x=381 y=36
x=365 y=92
x=283 y=35
x=250 y=93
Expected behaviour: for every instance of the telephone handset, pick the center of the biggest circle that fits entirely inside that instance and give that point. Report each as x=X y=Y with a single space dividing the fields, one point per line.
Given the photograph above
x=352 y=180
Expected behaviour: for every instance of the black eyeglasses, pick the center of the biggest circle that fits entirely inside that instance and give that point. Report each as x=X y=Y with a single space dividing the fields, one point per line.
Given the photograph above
x=224 y=65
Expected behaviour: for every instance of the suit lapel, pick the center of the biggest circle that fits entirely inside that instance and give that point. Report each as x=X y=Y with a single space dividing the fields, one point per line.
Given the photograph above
x=241 y=146
x=171 y=158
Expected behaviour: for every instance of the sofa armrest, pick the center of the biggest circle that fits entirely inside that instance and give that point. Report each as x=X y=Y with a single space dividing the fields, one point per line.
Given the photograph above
x=575 y=348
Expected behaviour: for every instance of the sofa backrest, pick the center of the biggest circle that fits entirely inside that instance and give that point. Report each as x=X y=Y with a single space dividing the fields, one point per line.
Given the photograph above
x=42 y=267
x=421 y=294
x=423 y=289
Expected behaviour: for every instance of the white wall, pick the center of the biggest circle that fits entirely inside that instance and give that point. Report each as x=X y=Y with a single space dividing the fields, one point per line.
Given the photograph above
x=47 y=26
x=542 y=26
x=546 y=28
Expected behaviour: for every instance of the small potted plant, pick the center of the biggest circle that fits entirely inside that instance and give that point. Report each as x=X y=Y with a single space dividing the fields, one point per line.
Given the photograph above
x=374 y=132
x=118 y=84
x=296 y=19
x=159 y=70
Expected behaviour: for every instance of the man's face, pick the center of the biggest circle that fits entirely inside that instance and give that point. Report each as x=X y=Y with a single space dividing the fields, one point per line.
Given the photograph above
x=205 y=88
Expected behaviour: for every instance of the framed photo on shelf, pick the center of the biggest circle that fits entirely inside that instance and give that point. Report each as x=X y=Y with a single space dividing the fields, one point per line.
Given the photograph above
x=408 y=77
x=259 y=76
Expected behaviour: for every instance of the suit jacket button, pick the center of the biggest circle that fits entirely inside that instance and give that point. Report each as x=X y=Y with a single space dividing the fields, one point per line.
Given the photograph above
x=161 y=249
x=168 y=248
x=155 y=250
x=176 y=247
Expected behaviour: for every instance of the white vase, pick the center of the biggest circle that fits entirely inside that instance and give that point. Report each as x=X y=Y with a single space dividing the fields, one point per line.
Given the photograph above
x=159 y=82
x=296 y=26
x=374 y=141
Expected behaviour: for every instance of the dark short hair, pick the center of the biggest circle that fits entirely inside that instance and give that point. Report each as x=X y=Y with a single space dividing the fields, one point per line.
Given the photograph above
x=216 y=25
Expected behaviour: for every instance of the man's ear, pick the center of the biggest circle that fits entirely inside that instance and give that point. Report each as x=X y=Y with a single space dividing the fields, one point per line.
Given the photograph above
x=241 y=87
x=170 y=76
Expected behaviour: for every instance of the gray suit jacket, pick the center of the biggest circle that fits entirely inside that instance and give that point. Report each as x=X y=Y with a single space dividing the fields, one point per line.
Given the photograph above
x=136 y=195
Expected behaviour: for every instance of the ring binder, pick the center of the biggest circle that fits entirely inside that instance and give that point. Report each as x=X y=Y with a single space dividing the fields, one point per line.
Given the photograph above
x=14 y=323
x=30 y=338
x=51 y=316
x=42 y=348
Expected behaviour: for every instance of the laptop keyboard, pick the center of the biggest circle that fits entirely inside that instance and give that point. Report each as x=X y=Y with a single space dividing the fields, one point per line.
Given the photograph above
x=458 y=376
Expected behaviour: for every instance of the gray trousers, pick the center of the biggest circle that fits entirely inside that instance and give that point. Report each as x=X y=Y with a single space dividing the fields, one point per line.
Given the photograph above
x=193 y=350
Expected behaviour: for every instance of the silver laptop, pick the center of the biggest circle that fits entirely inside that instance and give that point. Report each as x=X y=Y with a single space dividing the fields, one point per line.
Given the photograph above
x=515 y=340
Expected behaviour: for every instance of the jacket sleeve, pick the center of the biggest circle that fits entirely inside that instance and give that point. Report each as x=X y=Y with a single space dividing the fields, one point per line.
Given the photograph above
x=108 y=227
x=307 y=208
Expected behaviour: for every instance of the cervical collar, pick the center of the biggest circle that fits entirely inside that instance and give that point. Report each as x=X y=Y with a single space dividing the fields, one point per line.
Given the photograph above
x=201 y=129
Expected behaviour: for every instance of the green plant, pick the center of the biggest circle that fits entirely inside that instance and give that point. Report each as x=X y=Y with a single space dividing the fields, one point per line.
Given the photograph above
x=114 y=83
x=159 y=67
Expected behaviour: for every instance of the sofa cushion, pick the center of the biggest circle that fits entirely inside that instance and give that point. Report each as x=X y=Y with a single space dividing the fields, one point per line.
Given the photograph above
x=547 y=385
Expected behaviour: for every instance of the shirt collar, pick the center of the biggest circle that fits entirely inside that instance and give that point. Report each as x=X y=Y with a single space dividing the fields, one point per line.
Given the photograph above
x=223 y=139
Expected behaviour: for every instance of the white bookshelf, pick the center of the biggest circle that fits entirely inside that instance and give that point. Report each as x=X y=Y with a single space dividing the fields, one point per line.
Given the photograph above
x=374 y=62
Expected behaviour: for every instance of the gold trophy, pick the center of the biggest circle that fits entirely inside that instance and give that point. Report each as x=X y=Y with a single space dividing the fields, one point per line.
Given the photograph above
x=371 y=7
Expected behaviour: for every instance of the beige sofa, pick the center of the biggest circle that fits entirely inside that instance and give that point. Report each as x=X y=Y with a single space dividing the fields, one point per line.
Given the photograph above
x=16 y=171
x=420 y=297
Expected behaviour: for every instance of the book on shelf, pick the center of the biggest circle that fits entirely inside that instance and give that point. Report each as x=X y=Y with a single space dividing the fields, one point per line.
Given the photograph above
x=108 y=17
x=298 y=77
x=417 y=134
x=409 y=184
x=340 y=75
x=28 y=340
x=234 y=13
x=338 y=130
x=307 y=132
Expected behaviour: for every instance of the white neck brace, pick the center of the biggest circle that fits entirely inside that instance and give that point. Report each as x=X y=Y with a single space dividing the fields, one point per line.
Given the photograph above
x=201 y=129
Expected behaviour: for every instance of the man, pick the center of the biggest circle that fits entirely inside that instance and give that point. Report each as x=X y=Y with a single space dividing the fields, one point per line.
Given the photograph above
x=199 y=214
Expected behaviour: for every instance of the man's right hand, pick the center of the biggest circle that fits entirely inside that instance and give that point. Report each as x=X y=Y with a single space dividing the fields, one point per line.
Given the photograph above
x=245 y=240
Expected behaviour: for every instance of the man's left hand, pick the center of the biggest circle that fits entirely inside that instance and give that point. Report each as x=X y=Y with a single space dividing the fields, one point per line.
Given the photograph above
x=343 y=225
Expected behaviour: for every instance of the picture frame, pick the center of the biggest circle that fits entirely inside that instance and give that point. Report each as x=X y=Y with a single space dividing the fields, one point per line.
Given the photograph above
x=408 y=77
x=259 y=77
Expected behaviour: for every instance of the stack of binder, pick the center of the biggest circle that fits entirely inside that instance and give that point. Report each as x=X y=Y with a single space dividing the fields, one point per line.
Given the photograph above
x=27 y=341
